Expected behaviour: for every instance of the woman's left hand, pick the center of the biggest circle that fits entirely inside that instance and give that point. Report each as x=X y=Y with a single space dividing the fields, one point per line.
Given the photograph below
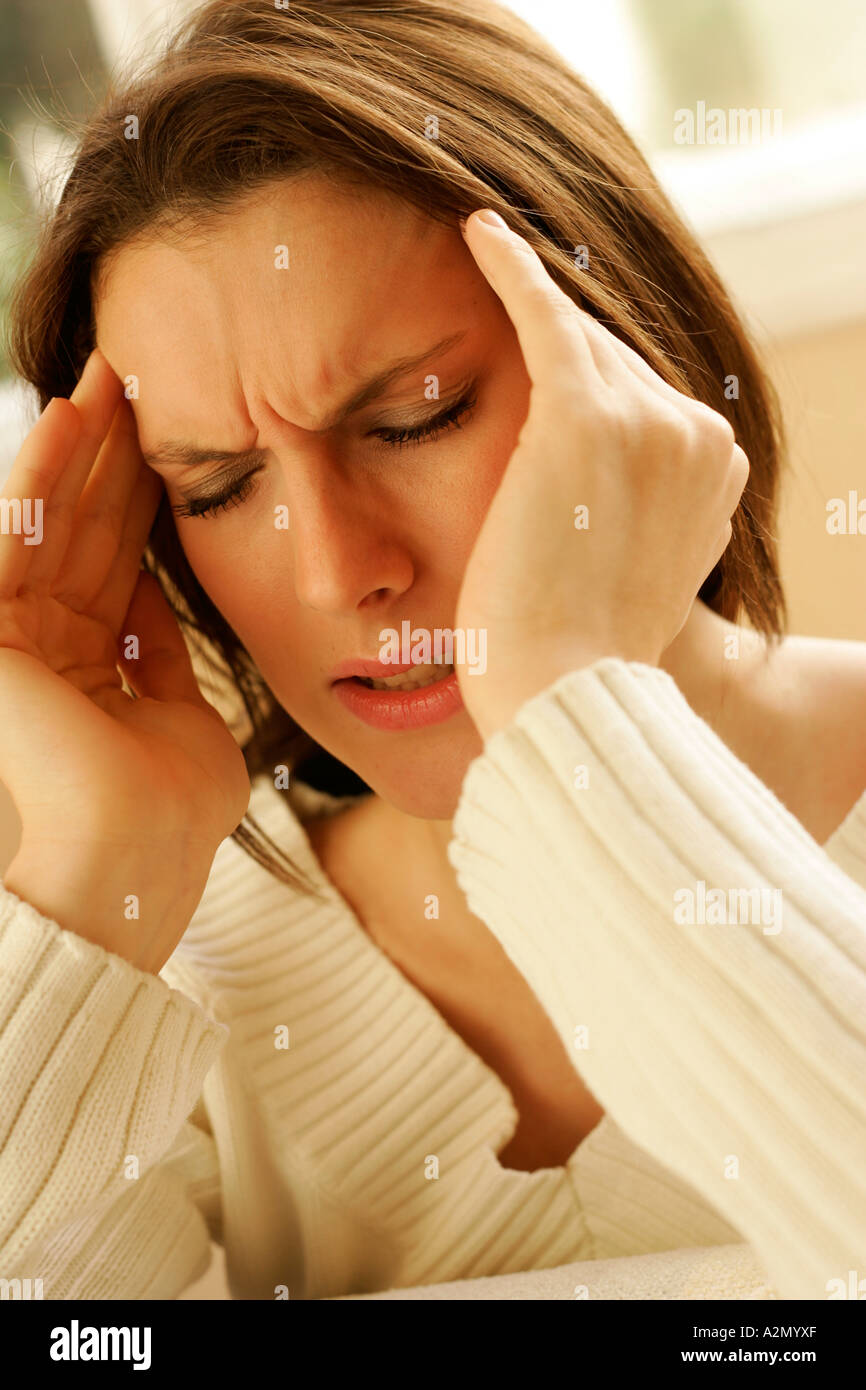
x=659 y=475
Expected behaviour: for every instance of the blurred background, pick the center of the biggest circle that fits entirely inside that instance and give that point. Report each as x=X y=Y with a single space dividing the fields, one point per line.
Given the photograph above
x=781 y=212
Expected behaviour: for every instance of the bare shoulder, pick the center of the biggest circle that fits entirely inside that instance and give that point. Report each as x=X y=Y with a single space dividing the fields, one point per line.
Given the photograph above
x=815 y=687
x=832 y=674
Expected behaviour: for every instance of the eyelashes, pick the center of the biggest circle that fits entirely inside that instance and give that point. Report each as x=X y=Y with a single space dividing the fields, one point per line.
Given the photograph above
x=239 y=491
x=449 y=418
x=207 y=506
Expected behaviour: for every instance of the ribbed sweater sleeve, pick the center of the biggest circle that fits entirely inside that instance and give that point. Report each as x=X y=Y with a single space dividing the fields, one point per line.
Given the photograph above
x=100 y=1066
x=733 y=1052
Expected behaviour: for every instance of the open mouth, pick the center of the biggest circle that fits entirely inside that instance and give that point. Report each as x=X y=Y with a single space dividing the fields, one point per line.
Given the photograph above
x=416 y=679
x=407 y=700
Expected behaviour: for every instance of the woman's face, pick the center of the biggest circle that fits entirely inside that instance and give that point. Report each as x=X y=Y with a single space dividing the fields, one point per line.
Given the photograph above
x=254 y=338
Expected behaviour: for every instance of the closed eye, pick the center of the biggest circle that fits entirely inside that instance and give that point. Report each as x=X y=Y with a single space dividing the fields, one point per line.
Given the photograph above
x=230 y=497
x=447 y=419
x=239 y=491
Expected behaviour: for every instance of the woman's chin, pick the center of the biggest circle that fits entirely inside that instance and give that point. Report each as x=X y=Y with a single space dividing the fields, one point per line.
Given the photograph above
x=418 y=776
x=432 y=795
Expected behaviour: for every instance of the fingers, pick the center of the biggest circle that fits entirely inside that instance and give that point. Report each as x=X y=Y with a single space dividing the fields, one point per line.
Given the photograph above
x=740 y=472
x=565 y=349
x=112 y=600
x=616 y=357
x=622 y=367
x=29 y=488
x=163 y=669
x=101 y=515
x=549 y=326
x=64 y=470
x=523 y=283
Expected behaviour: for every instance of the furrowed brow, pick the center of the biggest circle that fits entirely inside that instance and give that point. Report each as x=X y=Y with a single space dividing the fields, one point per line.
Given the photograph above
x=176 y=454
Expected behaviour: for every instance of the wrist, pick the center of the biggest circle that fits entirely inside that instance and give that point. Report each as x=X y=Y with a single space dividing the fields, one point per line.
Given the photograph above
x=131 y=902
x=493 y=703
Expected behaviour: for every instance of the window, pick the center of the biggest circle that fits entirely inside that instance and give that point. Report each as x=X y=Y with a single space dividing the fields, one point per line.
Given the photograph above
x=766 y=209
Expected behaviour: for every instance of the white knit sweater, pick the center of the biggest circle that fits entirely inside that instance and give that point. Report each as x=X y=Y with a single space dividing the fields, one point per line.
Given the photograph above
x=142 y=1115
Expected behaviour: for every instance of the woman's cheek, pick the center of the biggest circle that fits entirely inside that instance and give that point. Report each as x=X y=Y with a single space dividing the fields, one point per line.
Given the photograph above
x=483 y=476
x=239 y=573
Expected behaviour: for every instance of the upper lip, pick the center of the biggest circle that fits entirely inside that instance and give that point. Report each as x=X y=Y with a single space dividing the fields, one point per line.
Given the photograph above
x=376 y=670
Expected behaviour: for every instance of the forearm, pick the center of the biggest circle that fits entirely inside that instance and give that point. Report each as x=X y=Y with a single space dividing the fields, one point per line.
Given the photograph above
x=708 y=1039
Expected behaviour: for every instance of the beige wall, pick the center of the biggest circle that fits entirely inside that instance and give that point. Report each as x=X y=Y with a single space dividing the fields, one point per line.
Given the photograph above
x=820 y=377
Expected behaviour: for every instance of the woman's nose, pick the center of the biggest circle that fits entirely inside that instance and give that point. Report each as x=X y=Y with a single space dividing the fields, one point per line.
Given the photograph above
x=346 y=550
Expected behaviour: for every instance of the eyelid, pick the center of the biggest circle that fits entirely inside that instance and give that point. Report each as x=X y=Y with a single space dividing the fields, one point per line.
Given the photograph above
x=447 y=397
x=227 y=476
x=430 y=431
x=237 y=479
x=234 y=480
x=234 y=471
x=439 y=406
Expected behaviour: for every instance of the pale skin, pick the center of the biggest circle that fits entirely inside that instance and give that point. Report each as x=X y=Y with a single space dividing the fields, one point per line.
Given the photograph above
x=378 y=533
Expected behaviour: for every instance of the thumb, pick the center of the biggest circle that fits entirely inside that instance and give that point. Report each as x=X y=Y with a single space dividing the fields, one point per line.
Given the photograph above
x=162 y=670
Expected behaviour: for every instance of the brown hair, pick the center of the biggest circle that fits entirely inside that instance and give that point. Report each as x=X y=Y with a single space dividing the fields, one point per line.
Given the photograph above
x=246 y=93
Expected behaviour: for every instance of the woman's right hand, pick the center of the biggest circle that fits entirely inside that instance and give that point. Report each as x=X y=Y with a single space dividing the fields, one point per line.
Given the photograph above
x=123 y=798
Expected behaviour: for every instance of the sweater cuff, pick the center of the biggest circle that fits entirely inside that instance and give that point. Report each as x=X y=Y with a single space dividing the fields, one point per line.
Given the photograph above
x=36 y=954
x=100 y=1060
x=619 y=743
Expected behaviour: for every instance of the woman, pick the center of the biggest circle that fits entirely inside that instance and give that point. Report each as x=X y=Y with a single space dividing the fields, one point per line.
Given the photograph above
x=505 y=1012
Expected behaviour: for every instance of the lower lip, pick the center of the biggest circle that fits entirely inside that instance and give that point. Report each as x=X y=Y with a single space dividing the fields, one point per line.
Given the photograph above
x=397 y=710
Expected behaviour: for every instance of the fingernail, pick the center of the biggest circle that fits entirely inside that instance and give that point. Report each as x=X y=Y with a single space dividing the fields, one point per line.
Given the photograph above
x=491 y=218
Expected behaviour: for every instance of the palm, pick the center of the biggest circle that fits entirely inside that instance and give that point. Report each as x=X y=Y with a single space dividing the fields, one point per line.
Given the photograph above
x=101 y=747
x=75 y=645
x=74 y=742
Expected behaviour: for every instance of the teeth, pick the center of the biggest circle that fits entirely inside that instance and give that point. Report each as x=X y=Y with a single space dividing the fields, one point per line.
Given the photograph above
x=415 y=679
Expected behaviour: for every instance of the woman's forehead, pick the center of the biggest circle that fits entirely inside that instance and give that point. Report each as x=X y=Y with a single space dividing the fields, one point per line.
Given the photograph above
x=291 y=288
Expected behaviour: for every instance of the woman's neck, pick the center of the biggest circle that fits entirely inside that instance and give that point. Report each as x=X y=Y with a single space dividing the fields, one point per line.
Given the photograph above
x=712 y=661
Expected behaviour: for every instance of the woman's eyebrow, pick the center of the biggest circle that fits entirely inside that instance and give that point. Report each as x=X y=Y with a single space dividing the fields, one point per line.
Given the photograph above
x=176 y=454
